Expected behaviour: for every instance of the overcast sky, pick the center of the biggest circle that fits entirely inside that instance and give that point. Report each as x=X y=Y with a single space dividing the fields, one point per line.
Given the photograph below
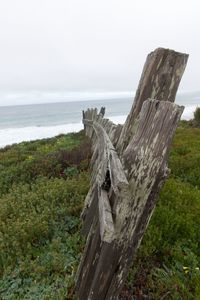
x=90 y=45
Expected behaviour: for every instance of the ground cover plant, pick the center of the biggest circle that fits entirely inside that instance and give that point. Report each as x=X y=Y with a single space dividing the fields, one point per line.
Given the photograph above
x=42 y=189
x=43 y=186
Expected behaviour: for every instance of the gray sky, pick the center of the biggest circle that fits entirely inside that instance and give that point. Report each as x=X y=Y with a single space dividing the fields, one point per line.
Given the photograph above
x=90 y=45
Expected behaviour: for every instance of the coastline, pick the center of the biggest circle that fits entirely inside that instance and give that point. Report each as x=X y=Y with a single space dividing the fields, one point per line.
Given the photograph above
x=9 y=136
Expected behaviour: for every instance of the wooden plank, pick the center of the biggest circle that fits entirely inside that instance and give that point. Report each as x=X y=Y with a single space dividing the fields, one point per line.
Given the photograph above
x=110 y=157
x=83 y=115
x=90 y=210
x=111 y=132
x=107 y=160
x=106 y=269
x=102 y=112
x=117 y=134
x=107 y=230
x=89 y=262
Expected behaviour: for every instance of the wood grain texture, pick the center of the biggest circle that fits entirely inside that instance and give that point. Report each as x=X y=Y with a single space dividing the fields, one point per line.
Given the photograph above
x=160 y=79
x=145 y=162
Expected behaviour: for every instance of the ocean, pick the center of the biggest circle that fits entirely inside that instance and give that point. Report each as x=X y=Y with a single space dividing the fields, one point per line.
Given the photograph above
x=37 y=121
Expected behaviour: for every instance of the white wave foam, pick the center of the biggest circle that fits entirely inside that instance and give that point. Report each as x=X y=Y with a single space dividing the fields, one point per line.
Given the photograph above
x=10 y=136
x=118 y=119
x=188 y=112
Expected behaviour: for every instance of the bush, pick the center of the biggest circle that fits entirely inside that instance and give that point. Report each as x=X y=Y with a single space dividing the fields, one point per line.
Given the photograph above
x=23 y=163
x=29 y=212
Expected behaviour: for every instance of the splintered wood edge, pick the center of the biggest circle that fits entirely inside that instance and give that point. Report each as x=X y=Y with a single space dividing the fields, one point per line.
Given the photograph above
x=113 y=130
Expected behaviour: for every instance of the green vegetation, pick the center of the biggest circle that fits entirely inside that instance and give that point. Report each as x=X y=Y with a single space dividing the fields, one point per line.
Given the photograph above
x=43 y=185
x=42 y=188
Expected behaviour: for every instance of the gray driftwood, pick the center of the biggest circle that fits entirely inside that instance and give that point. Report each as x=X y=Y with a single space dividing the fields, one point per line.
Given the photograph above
x=125 y=184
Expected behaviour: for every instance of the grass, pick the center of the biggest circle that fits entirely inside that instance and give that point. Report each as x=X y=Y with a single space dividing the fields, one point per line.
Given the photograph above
x=42 y=189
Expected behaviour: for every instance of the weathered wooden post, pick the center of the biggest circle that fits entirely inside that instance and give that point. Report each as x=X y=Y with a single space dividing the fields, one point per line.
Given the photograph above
x=125 y=185
x=160 y=80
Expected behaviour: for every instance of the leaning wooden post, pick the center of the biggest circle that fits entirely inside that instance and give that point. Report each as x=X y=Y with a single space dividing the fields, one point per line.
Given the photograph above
x=124 y=192
x=160 y=79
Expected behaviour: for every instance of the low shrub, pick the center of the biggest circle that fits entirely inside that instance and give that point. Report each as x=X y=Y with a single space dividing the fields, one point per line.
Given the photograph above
x=23 y=163
x=29 y=212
